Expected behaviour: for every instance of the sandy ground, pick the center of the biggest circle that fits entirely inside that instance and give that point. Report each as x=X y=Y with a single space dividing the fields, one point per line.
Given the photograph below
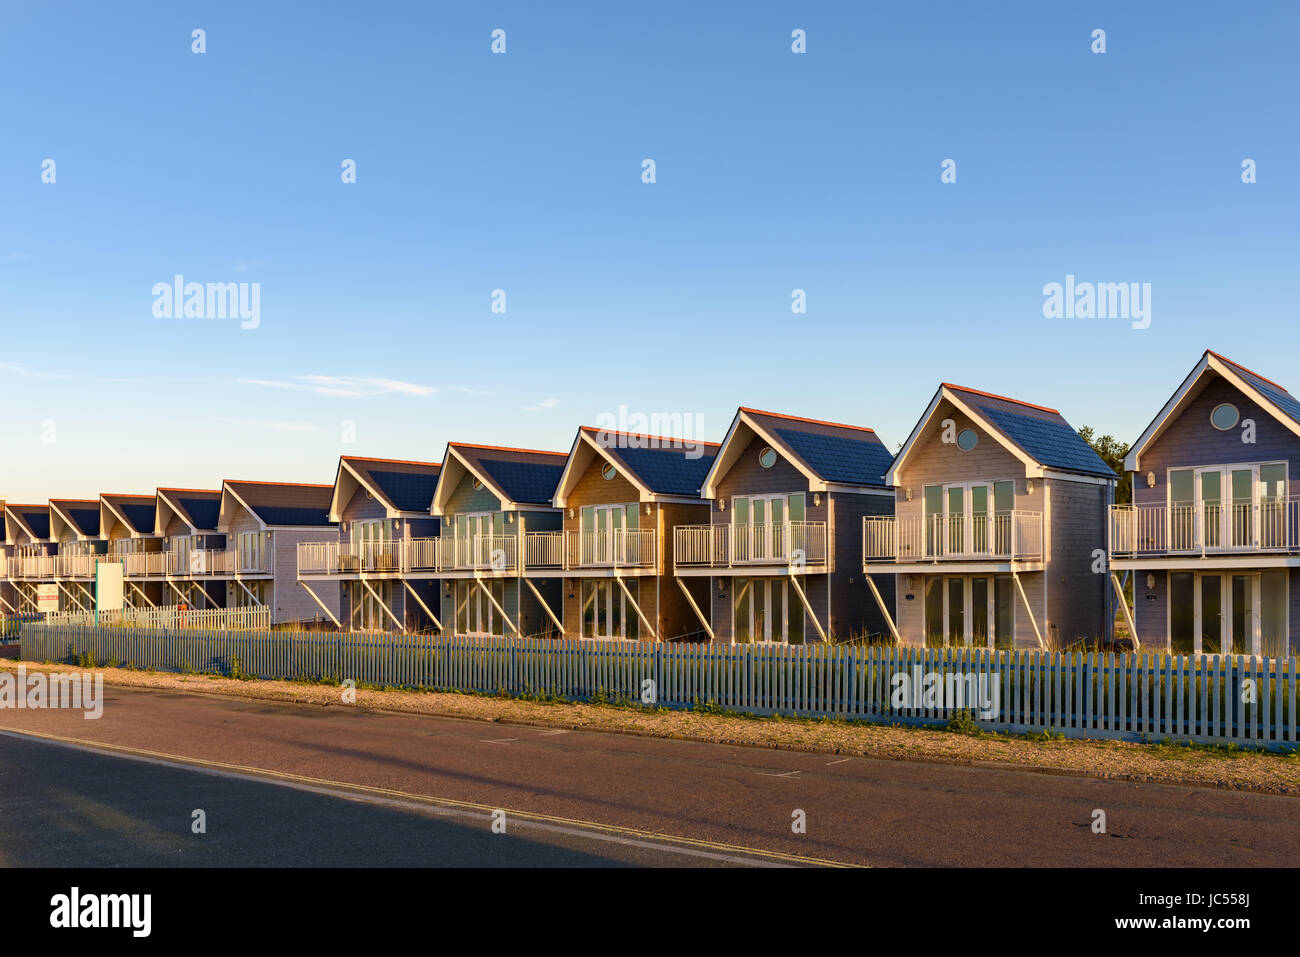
x=1276 y=773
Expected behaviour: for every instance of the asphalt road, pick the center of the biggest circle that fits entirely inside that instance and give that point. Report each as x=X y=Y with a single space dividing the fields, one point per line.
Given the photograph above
x=290 y=784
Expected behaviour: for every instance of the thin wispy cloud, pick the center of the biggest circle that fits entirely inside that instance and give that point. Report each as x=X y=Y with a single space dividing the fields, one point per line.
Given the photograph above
x=542 y=405
x=350 y=387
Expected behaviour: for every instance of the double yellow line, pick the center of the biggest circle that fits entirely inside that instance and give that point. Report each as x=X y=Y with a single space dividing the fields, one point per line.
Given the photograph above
x=610 y=830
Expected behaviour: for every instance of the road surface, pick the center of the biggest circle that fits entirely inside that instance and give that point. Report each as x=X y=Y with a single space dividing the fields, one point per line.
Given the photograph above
x=302 y=784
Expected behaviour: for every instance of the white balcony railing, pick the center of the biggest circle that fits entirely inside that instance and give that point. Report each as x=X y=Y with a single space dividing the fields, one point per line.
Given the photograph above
x=33 y=566
x=574 y=550
x=446 y=553
x=342 y=558
x=778 y=543
x=1014 y=535
x=1261 y=525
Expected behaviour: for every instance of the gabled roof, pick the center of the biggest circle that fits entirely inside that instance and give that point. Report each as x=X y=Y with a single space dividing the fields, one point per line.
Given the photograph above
x=273 y=504
x=517 y=477
x=1270 y=396
x=136 y=513
x=199 y=508
x=1040 y=437
x=32 y=520
x=78 y=514
x=661 y=468
x=404 y=488
x=827 y=453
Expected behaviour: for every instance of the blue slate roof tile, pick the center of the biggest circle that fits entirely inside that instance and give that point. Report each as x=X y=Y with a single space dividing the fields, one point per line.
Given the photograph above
x=528 y=483
x=1041 y=433
x=409 y=491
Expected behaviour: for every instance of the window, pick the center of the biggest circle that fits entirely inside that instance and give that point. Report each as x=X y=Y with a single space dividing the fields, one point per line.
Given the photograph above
x=604 y=537
x=475 y=532
x=250 y=551
x=1224 y=416
x=967 y=439
x=767 y=610
x=967 y=610
x=969 y=519
x=761 y=527
x=606 y=611
x=1228 y=507
x=767 y=458
x=366 y=612
x=608 y=471
x=476 y=613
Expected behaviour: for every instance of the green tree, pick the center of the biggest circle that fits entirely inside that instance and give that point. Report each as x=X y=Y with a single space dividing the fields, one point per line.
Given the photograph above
x=1112 y=452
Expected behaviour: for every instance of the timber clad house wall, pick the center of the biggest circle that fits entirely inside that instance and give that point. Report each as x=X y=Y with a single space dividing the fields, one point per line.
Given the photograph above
x=74 y=530
x=199 y=565
x=621 y=495
x=490 y=500
x=266 y=522
x=128 y=524
x=999 y=532
x=31 y=553
x=1211 y=542
x=371 y=570
x=780 y=553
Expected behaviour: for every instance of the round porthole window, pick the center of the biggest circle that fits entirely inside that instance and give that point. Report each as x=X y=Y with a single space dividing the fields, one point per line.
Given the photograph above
x=478 y=484
x=767 y=458
x=609 y=472
x=1224 y=416
x=967 y=439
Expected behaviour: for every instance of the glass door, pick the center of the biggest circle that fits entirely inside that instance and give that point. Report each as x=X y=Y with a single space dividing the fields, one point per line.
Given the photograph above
x=1228 y=618
x=969 y=611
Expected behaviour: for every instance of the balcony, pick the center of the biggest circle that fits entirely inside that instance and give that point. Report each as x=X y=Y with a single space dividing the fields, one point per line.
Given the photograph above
x=998 y=536
x=497 y=553
x=1261 y=526
x=475 y=553
x=345 y=558
x=32 y=567
x=573 y=550
x=76 y=566
x=786 y=544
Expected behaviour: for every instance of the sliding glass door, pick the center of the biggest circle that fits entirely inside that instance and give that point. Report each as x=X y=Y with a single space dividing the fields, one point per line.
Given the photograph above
x=1228 y=612
x=966 y=611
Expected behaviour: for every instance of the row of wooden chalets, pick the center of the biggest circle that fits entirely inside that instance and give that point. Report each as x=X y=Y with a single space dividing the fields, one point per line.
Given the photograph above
x=995 y=525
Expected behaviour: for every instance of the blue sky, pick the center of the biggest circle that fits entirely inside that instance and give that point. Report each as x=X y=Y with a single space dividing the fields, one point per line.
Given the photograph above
x=522 y=172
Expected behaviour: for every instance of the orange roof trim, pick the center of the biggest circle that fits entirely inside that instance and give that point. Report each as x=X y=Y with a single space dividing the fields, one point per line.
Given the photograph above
x=504 y=448
x=799 y=418
x=1003 y=398
x=1244 y=369
x=643 y=435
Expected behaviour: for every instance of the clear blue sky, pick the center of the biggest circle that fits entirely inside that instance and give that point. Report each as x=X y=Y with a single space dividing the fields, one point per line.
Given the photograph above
x=522 y=172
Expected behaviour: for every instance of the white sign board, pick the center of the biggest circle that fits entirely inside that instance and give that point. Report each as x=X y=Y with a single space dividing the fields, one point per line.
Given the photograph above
x=47 y=597
x=109 y=589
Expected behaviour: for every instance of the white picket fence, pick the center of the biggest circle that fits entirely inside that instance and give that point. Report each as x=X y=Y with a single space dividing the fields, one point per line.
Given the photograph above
x=1207 y=699
x=171 y=617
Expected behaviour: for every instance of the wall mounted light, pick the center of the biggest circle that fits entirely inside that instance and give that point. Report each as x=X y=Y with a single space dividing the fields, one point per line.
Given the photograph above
x=570 y=513
x=817 y=498
x=510 y=517
x=1029 y=486
x=722 y=505
x=1151 y=580
x=907 y=493
x=1151 y=480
